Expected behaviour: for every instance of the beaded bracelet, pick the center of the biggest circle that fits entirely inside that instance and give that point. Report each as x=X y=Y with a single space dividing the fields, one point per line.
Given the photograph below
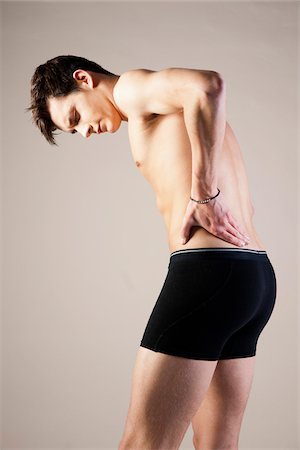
x=206 y=200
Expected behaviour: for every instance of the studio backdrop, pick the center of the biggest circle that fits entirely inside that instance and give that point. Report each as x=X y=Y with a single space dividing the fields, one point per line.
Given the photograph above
x=84 y=246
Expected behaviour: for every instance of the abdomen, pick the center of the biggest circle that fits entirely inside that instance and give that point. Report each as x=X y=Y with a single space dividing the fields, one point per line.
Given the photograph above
x=167 y=165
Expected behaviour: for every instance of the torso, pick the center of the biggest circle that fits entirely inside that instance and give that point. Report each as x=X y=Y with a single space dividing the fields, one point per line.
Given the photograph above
x=161 y=151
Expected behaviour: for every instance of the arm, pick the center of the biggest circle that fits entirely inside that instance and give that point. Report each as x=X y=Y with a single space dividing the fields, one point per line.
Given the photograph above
x=205 y=121
x=200 y=96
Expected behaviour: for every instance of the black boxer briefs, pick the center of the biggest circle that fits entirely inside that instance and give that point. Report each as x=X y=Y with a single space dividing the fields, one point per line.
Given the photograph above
x=213 y=305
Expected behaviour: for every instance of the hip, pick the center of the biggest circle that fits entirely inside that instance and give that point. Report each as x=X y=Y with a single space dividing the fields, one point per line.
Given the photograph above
x=201 y=238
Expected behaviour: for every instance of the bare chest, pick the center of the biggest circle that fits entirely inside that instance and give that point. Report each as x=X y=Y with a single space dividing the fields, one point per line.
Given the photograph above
x=158 y=143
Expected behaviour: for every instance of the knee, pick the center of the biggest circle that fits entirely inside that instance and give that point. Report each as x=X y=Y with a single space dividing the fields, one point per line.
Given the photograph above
x=196 y=442
x=124 y=445
x=220 y=444
x=121 y=446
x=143 y=443
x=132 y=443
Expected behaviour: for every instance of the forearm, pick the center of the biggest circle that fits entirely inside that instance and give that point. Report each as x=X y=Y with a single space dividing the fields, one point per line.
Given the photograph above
x=205 y=120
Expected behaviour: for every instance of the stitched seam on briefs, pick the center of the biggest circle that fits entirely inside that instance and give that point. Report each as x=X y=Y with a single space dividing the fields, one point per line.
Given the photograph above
x=233 y=357
x=198 y=307
x=179 y=353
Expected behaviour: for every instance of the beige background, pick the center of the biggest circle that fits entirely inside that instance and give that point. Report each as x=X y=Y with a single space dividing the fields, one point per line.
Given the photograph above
x=84 y=248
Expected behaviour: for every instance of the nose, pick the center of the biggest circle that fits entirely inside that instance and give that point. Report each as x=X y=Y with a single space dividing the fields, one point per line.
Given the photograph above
x=89 y=131
x=86 y=131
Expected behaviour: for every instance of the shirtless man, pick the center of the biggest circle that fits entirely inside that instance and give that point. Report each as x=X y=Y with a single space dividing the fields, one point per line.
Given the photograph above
x=195 y=363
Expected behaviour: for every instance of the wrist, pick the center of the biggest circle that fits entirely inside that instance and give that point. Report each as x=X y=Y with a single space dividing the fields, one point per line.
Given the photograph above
x=204 y=185
x=207 y=199
x=202 y=194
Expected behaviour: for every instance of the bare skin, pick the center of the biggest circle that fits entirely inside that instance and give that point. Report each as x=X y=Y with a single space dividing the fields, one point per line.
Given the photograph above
x=162 y=152
x=169 y=393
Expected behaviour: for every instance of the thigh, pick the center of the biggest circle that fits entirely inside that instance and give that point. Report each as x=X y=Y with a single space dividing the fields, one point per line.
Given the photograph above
x=221 y=412
x=165 y=394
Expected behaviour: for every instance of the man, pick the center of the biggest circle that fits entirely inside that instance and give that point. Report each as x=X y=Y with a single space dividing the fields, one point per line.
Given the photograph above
x=196 y=359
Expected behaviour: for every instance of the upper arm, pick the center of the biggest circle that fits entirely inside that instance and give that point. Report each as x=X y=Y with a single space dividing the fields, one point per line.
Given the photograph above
x=165 y=91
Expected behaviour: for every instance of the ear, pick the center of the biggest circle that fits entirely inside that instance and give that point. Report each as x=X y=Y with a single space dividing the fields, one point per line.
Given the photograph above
x=83 y=77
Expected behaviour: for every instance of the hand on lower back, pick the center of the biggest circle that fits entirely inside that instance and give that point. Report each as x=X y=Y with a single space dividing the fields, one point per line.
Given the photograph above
x=216 y=218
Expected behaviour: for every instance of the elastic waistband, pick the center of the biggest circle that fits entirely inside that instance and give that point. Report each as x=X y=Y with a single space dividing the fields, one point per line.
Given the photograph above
x=219 y=252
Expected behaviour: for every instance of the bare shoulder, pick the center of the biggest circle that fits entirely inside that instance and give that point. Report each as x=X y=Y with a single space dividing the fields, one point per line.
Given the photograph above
x=144 y=91
x=128 y=91
x=130 y=78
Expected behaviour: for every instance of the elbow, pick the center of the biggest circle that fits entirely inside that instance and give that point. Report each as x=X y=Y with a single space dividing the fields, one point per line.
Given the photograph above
x=217 y=84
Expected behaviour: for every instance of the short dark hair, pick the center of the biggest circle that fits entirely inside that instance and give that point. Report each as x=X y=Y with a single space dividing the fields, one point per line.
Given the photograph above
x=55 y=79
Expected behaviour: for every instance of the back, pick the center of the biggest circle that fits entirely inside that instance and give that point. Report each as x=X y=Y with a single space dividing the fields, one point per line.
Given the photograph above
x=162 y=152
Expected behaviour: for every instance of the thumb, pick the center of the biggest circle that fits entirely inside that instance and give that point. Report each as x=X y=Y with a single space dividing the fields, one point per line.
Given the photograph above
x=185 y=232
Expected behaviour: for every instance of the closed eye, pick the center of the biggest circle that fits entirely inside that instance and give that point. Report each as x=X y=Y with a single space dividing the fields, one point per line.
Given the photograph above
x=75 y=122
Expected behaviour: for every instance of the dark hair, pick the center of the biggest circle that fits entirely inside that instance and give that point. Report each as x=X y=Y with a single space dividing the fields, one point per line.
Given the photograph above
x=55 y=79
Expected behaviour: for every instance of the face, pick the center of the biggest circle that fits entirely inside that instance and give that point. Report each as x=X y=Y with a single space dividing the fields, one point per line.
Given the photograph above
x=87 y=111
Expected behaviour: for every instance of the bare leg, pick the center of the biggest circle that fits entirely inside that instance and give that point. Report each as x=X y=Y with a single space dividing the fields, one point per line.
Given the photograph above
x=166 y=393
x=217 y=423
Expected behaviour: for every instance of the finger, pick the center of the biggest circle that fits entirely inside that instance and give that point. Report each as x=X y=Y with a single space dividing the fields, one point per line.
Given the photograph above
x=185 y=231
x=229 y=237
x=232 y=230
x=240 y=231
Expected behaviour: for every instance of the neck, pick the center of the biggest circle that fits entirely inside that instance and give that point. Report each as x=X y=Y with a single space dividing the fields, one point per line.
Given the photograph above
x=107 y=84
